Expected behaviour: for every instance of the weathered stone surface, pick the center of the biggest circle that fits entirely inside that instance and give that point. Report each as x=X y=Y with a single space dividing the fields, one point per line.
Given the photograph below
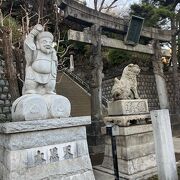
x=1 y=102
x=3 y=96
x=41 y=70
x=108 y=42
x=131 y=152
x=126 y=87
x=74 y=10
x=133 y=140
x=6 y=110
x=62 y=170
x=125 y=131
x=164 y=147
x=58 y=106
x=29 y=107
x=102 y=173
x=146 y=87
x=34 y=107
x=127 y=120
x=2 y=116
x=42 y=138
x=56 y=151
x=135 y=150
x=2 y=82
x=128 y=107
x=5 y=89
x=131 y=166
x=28 y=126
x=7 y=102
x=39 y=100
x=27 y=158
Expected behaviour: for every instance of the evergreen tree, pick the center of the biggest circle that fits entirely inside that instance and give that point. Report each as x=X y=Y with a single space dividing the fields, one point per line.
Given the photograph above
x=164 y=14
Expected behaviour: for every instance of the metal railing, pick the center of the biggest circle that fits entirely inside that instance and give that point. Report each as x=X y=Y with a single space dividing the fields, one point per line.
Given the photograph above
x=83 y=84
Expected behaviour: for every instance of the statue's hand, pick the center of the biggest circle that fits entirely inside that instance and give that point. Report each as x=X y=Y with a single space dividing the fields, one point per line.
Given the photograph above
x=39 y=27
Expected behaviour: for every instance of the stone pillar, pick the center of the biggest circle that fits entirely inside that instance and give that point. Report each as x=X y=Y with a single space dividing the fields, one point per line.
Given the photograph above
x=159 y=77
x=164 y=147
x=95 y=138
x=45 y=149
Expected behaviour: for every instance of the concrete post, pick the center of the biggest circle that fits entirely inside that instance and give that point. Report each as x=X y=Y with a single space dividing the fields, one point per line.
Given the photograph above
x=164 y=147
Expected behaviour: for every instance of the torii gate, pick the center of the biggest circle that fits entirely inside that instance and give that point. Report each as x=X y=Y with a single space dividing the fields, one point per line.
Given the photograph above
x=97 y=21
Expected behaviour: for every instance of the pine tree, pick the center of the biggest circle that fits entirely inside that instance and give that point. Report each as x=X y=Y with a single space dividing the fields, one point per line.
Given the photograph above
x=163 y=14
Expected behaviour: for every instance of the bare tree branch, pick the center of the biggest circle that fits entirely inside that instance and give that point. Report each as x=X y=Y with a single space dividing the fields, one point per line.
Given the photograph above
x=64 y=53
x=110 y=6
x=95 y=4
x=101 y=6
x=44 y=25
x=107 y=7
x=25 y=29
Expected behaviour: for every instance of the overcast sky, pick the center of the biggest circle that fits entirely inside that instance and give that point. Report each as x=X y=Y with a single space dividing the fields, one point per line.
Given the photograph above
x=122 y=5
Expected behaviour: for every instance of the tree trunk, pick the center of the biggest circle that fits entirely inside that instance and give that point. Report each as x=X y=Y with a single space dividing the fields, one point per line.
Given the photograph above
x=9 y=65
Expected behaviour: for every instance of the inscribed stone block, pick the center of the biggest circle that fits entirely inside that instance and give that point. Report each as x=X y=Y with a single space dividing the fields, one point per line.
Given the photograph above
x=45 y=149
x=127 y=107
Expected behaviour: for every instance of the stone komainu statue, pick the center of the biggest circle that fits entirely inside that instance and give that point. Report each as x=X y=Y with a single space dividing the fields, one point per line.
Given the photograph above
x=126 y=87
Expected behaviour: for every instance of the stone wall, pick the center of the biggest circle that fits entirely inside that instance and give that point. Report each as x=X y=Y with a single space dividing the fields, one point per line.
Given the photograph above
x=170 y=90
x=5 y=98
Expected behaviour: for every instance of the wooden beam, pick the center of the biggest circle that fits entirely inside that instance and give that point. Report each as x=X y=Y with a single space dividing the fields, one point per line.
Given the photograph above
x=87 y=16
x=85 y=37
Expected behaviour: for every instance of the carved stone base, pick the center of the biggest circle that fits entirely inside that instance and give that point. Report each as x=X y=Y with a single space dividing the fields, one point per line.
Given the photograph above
x=45 y=149
x=128 y=120
x=135 y=150
x=128 y=107
x=36 y=107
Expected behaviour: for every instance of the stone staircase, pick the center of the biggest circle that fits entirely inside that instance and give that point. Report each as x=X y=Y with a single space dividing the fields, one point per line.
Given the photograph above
x=77 y=91
x=78 y=95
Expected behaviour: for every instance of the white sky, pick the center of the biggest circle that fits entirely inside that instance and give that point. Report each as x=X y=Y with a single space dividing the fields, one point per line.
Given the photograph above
x=122 y=5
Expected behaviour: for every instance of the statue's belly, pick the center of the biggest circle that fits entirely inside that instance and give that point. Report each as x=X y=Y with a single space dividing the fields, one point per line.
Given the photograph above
x=42 y=66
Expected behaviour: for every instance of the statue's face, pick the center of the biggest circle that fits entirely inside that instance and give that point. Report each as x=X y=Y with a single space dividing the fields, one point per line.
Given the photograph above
x=45 y=45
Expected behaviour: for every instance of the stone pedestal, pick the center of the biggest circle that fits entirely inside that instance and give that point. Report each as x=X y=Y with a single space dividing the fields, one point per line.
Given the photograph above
x=135 y=152
x=128 y=112
x=128 y=107
x=54 y=149
x=32 y=107
x=134 y=141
